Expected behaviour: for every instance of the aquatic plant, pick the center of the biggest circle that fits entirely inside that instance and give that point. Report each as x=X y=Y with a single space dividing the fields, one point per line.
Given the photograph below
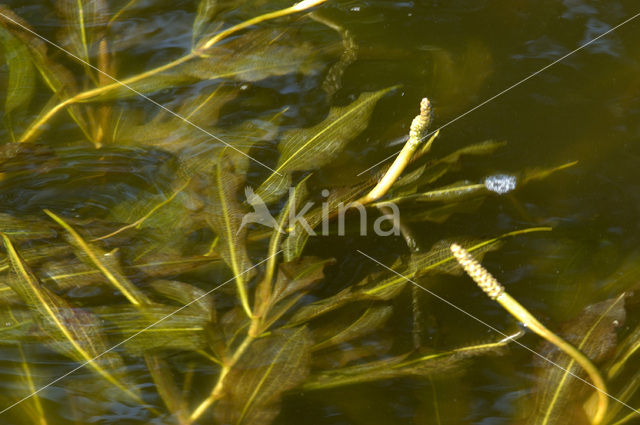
x=131 y=264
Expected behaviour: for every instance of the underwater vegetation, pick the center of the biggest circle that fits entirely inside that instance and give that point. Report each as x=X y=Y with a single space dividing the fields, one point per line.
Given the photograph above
x=142 y=283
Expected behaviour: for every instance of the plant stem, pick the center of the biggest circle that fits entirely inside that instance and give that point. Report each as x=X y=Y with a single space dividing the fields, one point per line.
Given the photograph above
x=86 y=96
x=218 y=389
x=496 y=291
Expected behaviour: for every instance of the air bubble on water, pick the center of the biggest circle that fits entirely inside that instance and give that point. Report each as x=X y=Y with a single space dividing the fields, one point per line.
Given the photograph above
x=500 y=183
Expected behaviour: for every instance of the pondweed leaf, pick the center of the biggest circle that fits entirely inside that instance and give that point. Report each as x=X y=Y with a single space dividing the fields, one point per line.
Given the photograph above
x=441 y=213
x=75 y=332
x=400 y=366
x=107 y=263
x=313 y=147
x=167 y=388
x=169 y=132
x=594 y=333
x=183 y=330
x=225 y=217
x=298 y=235
x=18 y=322
x=453 y=192
x=273 y=365
x=460 y=191
x=293 y=281
x=22 y=78
x=432 y=171
x=622 y=369
x=370 y=321
x=266 y=52
x=83 y=25
x=34 y=408
x=67 y=273
x=58 y=78
x=261 y=58
x=25 y=228
x=184 y=293
x=387 y=285
x=207 y=10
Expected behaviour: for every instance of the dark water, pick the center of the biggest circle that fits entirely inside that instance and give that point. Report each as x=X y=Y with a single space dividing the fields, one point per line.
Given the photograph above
x=585 y=108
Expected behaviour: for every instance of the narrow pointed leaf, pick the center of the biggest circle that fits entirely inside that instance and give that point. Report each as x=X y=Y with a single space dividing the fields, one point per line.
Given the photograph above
x=401 y=366
x=313 y=147
x=273 y=365
x=162 y=327
x=22 y=76
x=106 y=263
x=368 y=322
x=83 y=20
x=225 y=217
x=166 y=387
x=76 y=332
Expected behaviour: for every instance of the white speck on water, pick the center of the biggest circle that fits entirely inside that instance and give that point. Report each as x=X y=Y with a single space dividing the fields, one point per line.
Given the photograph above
x=500 y=183
x=355 y=9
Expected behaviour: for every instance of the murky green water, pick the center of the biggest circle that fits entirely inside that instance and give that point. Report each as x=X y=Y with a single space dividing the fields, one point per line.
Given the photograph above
x=585 y=108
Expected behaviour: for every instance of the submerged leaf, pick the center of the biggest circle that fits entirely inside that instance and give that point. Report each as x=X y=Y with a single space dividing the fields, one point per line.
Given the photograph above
x=82 y=22
x=166 y=387
x=300 y=232
x=311 y=148
x=387 y=285
x=400 y=366
x=105 y=262
x=272 y=366
x=369 y=321
x=226 y=216
x=22 y=76
x=594 y=333
x=163 y=327
x=294 y=280
x=59 y=79
x=76 y=332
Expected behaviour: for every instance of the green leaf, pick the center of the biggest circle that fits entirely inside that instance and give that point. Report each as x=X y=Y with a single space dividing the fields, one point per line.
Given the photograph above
x=594 y=333
x=372 y=319
x=386 y=285
x=182 y=330
x=294 y=280
x=166 y=387
x=207 y=9
x=66 y=274
x=225 y=217
x=442 y=213
x=82 y=21
x=59 y=79
x=25 y=228
x=184 y=293
x=451 y=193
x=107 y=263
x=76 y=332
x=33 y=408
x=311 y=148
x=298 y=235
x=271 y=366
x=401 y=366
x=22 y=76
x=259 y=54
